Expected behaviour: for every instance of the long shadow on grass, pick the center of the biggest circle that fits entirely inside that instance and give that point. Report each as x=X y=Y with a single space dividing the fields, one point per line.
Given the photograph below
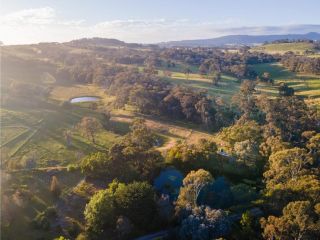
x=227 y=89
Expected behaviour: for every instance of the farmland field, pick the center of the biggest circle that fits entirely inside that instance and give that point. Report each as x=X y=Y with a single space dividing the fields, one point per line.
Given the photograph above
x=304 y=85
x=298 y=48
x=226 y=88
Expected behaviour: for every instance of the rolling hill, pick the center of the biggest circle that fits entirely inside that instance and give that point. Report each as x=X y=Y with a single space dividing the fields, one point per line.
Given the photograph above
x=239 y=40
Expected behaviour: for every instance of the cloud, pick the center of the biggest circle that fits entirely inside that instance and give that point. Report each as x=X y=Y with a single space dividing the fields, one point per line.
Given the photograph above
x=35 y=25
x=44 y=25
x=43 y=15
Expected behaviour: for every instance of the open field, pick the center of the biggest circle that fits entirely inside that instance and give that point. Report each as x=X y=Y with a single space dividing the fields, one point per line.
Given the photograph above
x=304 y=85
x=170 y=131
x=281 y=48
x=226 y=88
x=46 y=137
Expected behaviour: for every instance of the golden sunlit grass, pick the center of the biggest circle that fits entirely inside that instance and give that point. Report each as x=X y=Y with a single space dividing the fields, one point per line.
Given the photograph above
x=306 y=85
x=296 y=47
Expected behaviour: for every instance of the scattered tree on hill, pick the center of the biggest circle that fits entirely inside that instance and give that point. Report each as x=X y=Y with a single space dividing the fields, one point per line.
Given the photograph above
x=285 y=90
x=106 y=116
x=187 y=72
x=203 y=69
x=89 y=126
x=55 y=188
x=216 y=78
x=248 y=224
x=96 y=165
x=266 y=77
x=67 y=136
x=247 y=102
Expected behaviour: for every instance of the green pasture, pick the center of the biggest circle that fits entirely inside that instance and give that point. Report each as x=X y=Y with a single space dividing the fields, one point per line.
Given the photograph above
x=297 y=47
x=304 y=85
x=226 y=88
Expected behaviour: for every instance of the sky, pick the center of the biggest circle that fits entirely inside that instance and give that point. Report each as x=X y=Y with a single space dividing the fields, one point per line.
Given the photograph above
x=146 y=21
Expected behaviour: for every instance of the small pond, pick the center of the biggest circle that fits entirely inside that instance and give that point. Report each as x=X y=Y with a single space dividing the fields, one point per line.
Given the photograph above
x=84 y=99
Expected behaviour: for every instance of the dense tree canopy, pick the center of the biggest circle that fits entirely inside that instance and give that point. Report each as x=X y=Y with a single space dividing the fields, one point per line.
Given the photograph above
x=299 y=220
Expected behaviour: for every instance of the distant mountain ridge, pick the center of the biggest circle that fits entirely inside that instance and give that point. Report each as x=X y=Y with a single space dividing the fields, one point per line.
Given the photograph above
x=97 y=41
x=105 y=42
x=239 y=40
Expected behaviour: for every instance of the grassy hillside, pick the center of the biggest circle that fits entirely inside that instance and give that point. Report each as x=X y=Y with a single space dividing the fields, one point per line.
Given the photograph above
x=281 y=48
x=226 y=88
x=304 y=85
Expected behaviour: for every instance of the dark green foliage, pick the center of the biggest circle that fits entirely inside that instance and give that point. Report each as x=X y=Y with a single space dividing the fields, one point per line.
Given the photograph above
x=96 y=165
x=133 y=158
x=100 y=214
x=249 y=227
x=135 y=202
x=43 y=219
x=216 y=194
x=285 y=90
x=247 y=102
x=243 y=193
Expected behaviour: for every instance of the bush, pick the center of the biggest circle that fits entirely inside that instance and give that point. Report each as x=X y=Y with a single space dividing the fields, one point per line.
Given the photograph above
x=95 y=165
x=243 y=193
x=42 y=220
x=72 y=167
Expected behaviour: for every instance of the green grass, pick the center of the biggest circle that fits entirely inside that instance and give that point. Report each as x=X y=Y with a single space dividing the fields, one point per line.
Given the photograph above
x=298 y=48
x=226 y=88
x=304 y=85
x=9 y=133
x=180 y=67
x=47 y=137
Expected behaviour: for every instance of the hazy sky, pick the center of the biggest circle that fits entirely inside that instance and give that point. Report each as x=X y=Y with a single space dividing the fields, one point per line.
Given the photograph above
x=29 y=21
